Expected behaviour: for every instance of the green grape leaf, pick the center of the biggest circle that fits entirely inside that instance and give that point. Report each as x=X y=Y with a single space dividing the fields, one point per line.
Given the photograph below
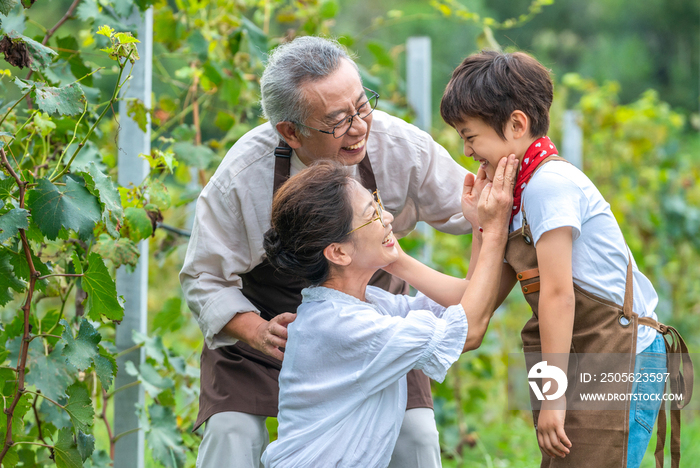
x=66 y=451
x=8 y=378
x=257 y=39
x=51 y=374
x=380 y=54
x=79 y=407
x=86 y=445
x=6 y=6
x=15 y=329
x=152 y=381
x=194 y=155
x=27 y=457
x=138 y=112
x=163 y=438
x=105 y=367
x=66 y=100
x=43 y=122
x=23 y=405
x=329 y=9
x=11 y=458
x=158 y=159
x=155 y=349
x=19 y=263
x=55 y=415
x=102 y=187
x=69 y=50
x=137 y=224
x=6 y=187
x=101 y=291
x=8 y=280
x=71 y=206
x=12 y=221
x=170 y=318
x=230 y=91
x=120 y=252
x=99 y=459
x=22 y=51
x=87 y=10
x=81 y=350
x=158 y=194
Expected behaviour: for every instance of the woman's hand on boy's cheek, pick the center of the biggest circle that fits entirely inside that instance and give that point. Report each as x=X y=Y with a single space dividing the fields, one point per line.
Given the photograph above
x=550 y=432
x=473 y=186
x=481 y=181
x=470 y=200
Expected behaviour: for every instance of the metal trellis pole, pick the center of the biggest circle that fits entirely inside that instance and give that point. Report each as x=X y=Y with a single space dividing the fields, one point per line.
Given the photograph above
x=572 y=136
x=129 y=450
x=418 y=89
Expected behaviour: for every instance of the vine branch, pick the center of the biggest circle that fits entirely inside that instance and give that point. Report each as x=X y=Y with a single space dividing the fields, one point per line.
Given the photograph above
x=94 y=125
x=65 y=18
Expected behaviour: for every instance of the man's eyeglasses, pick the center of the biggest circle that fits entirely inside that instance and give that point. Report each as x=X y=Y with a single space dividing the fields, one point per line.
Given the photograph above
x=342 y=127
x=380 y=212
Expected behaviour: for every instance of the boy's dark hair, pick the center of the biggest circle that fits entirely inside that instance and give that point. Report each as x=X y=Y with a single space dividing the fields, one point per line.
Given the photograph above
x=491 y=85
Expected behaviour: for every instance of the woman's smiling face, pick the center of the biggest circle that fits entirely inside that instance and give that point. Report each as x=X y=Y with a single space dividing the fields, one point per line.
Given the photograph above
x=373 y=245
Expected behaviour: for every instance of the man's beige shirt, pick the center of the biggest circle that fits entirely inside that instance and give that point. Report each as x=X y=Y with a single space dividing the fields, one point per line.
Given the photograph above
x=418 y=180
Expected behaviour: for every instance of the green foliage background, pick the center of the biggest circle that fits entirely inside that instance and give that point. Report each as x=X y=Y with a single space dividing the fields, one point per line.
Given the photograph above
x=641 y=149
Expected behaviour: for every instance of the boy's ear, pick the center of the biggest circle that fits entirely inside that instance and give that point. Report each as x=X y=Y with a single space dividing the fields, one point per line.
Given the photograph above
x=338 y=254
x=520 y=124
x=289 y=132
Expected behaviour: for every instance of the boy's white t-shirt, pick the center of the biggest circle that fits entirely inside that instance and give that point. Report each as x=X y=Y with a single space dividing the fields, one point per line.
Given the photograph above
x=560 y=195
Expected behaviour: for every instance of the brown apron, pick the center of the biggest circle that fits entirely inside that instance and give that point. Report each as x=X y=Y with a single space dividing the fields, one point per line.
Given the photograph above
x=240 y=378
x=599 y=438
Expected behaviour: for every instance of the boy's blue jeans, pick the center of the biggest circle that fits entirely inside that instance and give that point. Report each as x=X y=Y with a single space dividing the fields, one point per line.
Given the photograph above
x=643 y=413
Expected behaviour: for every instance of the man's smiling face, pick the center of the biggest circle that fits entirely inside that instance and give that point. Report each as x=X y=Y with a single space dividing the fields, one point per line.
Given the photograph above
x=333 y=99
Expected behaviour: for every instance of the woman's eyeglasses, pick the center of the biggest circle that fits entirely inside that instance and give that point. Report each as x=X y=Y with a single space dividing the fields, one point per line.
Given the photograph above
x=380 y=212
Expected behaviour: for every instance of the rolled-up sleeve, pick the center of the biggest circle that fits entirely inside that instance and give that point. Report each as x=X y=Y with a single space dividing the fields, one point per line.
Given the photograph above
x=217 y=252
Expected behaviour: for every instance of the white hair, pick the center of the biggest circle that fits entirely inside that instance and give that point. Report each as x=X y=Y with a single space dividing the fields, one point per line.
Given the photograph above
x=289 y=67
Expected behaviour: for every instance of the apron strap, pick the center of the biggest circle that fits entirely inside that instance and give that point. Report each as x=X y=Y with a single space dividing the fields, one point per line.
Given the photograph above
x=676 y=357
x=367 y=174
x=283 y=164
x=629 y=291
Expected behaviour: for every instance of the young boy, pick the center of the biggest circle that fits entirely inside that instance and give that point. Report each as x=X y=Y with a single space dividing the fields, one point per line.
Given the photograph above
x=567 y=250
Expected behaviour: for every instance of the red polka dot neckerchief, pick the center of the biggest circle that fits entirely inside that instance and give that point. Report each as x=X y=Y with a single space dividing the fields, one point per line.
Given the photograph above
x=538 y=151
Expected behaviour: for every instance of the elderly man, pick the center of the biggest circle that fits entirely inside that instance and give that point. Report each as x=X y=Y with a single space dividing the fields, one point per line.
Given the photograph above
x=317 y=108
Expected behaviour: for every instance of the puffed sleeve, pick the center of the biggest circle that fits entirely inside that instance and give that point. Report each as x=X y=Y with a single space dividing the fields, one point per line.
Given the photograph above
x=420 y=340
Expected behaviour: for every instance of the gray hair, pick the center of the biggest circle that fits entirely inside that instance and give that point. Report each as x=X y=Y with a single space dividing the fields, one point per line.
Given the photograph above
x=289 y=67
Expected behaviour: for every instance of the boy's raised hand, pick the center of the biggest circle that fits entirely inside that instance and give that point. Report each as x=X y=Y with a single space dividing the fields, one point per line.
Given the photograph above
x=496 y=200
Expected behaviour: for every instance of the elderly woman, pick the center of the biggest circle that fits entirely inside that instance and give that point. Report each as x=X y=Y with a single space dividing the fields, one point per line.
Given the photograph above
x=343 y=379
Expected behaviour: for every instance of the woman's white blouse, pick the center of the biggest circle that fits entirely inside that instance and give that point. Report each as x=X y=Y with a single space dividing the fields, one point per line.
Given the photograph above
x=343 y=379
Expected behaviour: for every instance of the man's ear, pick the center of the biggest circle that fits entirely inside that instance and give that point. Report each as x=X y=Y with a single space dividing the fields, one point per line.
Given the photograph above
x=519 y=123
x=338 y=254
x=289 y=132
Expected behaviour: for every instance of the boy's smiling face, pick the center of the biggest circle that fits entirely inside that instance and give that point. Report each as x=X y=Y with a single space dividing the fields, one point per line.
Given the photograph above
x=482 y=143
